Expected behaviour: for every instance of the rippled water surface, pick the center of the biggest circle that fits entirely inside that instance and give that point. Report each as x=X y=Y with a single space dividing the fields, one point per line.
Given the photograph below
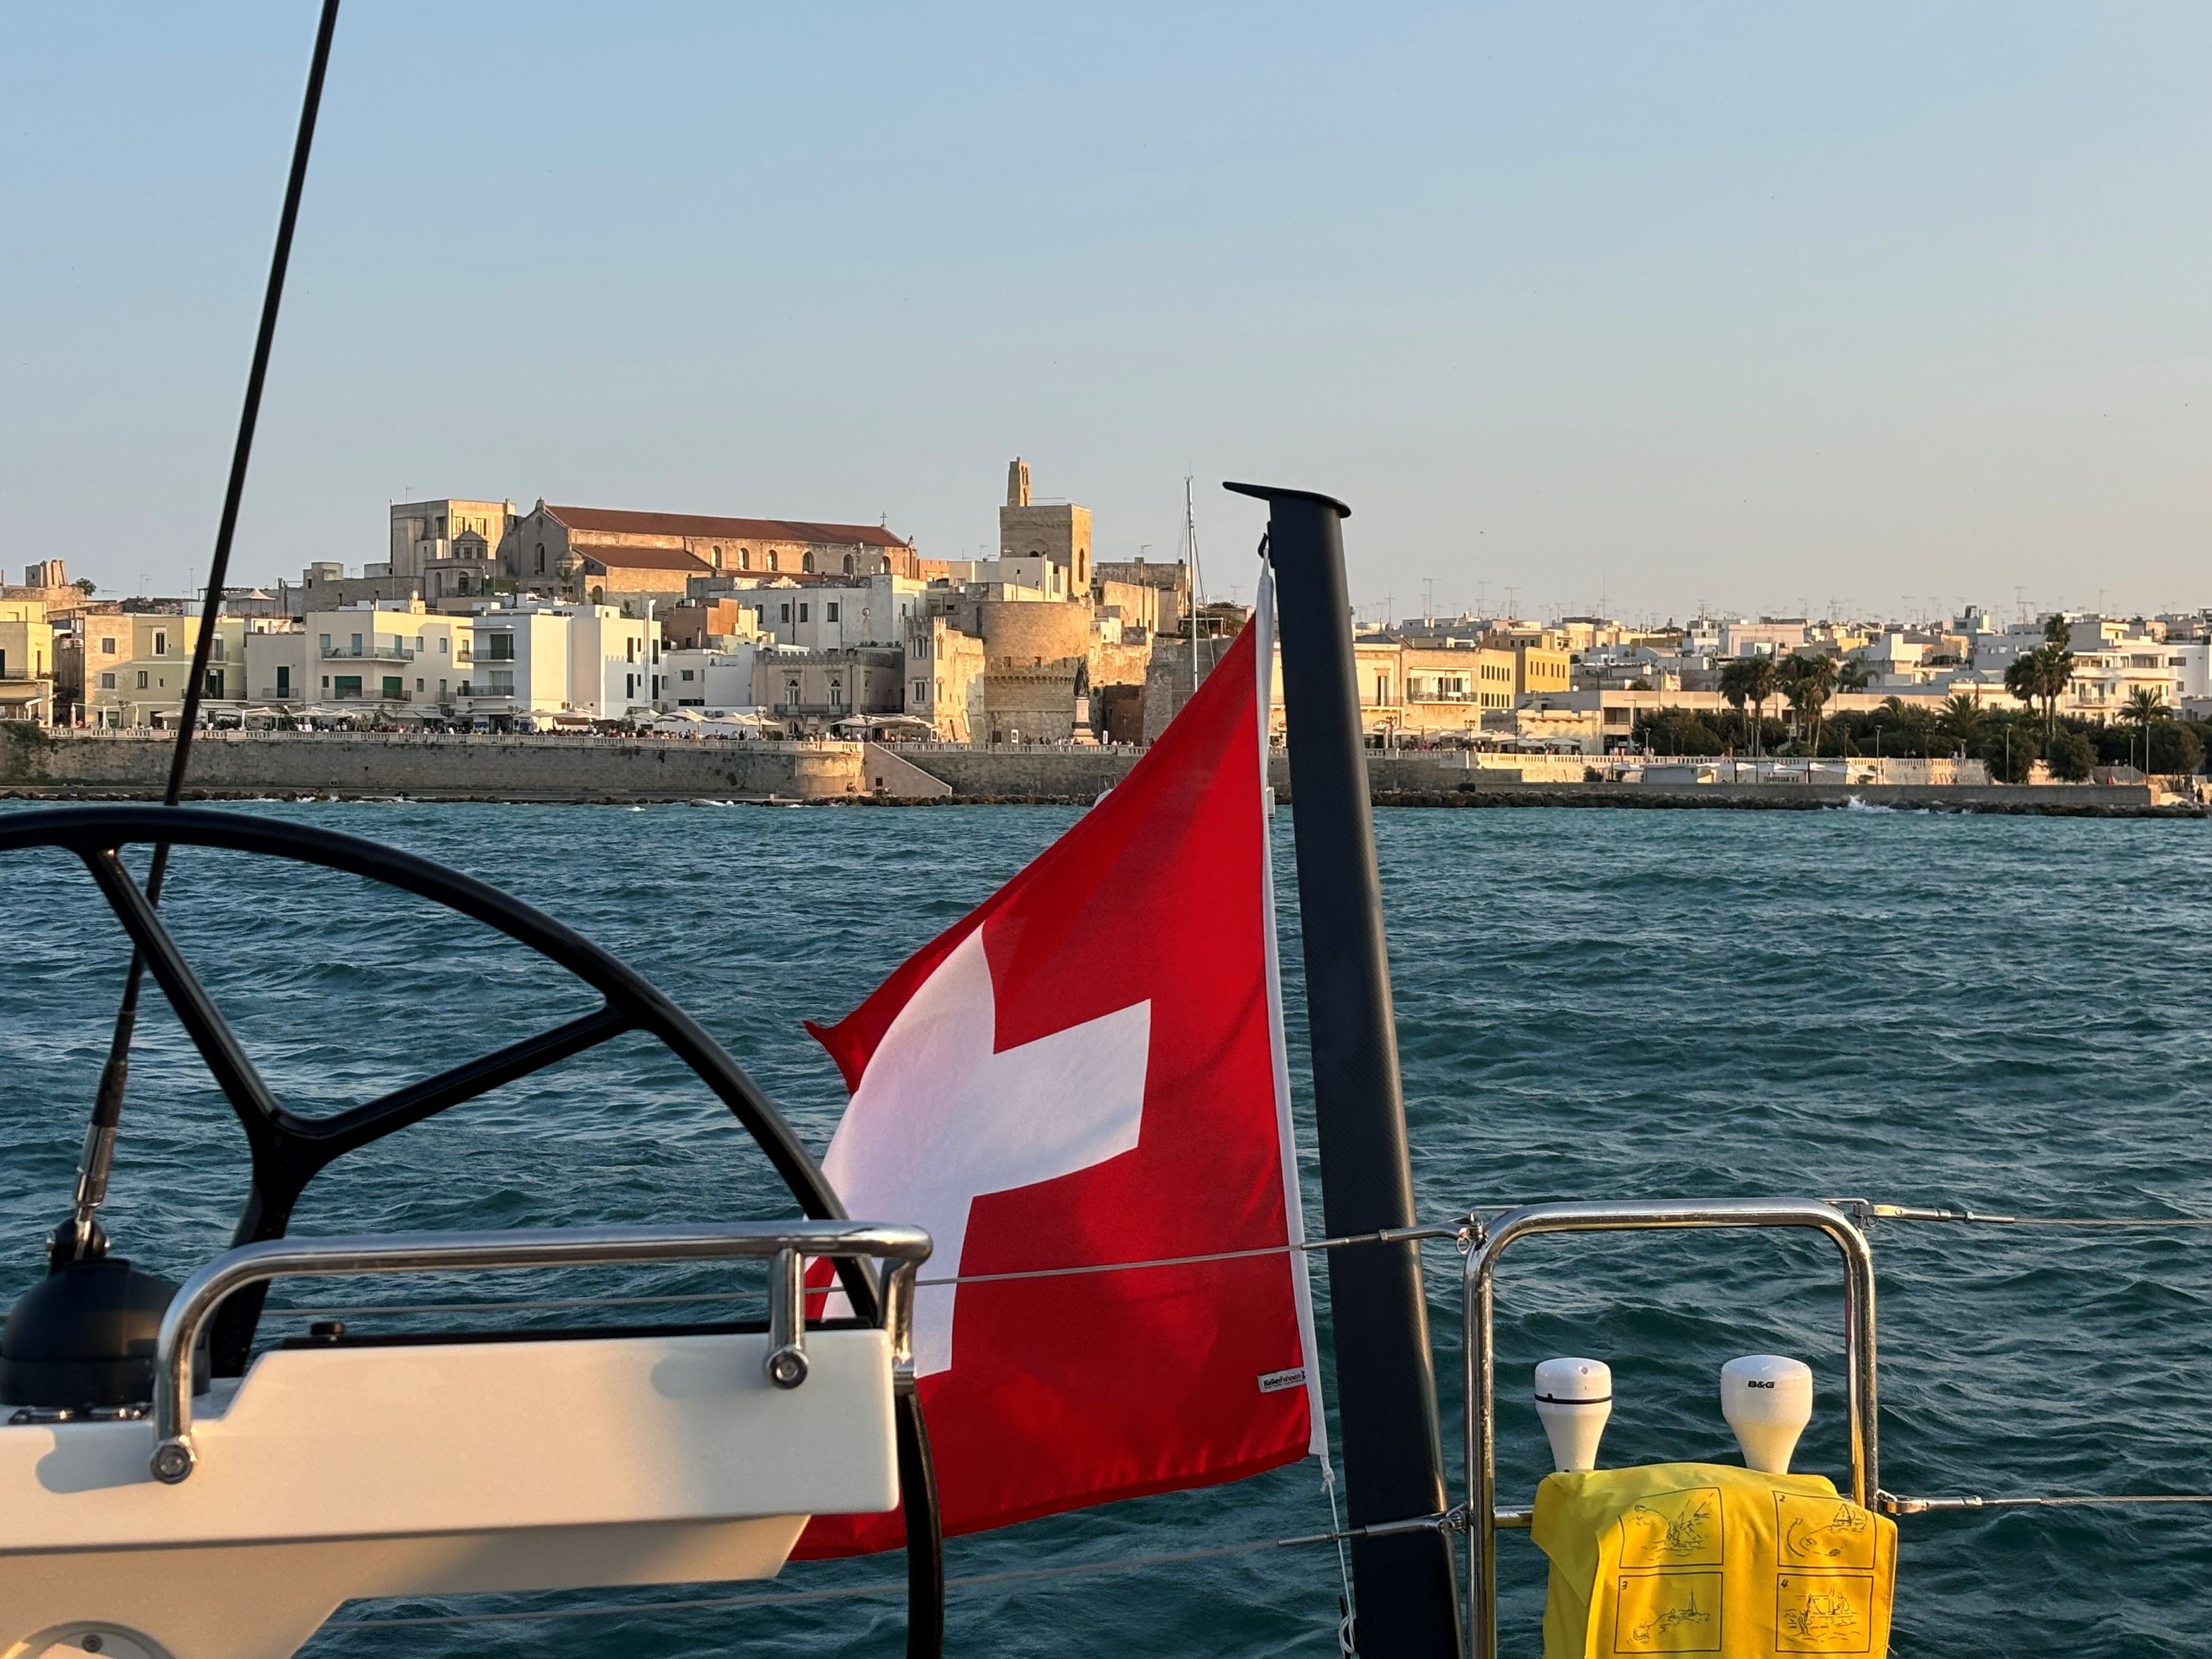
x=2002 y=1013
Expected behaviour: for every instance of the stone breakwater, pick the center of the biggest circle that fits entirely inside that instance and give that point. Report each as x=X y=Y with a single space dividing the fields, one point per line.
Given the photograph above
x=363 y=765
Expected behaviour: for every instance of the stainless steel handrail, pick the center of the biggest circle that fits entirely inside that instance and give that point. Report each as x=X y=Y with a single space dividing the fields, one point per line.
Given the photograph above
x=1481 y=1372
x=788 y=1242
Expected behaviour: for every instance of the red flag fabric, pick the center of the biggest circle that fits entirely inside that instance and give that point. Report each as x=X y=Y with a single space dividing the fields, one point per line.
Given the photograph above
x=1089 y=1070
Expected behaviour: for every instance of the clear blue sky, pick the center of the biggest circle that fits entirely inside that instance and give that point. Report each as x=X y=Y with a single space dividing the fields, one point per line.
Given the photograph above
x=1746 y=304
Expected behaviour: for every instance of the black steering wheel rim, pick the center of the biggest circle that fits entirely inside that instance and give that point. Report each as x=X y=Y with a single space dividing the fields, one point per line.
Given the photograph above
x=288 y=1149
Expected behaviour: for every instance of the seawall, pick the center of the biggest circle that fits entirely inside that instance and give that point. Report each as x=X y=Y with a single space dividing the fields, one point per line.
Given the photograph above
x=227 y=764
x=440 y=768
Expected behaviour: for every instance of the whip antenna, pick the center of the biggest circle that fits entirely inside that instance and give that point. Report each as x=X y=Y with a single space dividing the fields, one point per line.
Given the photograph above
x=81 y=1238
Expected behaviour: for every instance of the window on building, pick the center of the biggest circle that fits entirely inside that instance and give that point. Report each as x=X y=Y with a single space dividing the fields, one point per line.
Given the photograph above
x=284 y=680
x=829 y=610
x=629 y=650
x=499 y=648
x=348 y=686
x=802 y=611
x=445 y=645
x=718 y=558
x=107 y=682
x=161 y=643
x=214 y=649
x=790 y=694
x=745 y=558
x=849 y=564
x=806 y=561
x=142 y=679
x=418 y=685
x=107 y=645
x=356 y=645
x=783 y=612
x=392 y=687
x=772 y=560
x=541 y=558
x=837 y=694
x=441 y=690
x=325 y=646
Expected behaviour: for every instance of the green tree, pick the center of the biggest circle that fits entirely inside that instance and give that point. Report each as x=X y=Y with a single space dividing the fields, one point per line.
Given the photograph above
x=1854 y=676
x=2072 y=756
x=2175 y=746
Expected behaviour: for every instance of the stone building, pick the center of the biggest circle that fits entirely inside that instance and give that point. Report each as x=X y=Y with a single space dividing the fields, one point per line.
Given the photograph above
x=1151 y=595
x=813 y=689
x=612 y=544
x=26 y=662
x=447 y=548
x=944 y=679
x=1057 y=533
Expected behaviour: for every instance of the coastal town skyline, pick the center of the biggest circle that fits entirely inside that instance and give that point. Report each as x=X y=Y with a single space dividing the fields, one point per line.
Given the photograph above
x=1753 y=309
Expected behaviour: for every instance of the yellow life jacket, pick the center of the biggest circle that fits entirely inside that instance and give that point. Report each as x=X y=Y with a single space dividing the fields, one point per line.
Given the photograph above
x=1709 y=1558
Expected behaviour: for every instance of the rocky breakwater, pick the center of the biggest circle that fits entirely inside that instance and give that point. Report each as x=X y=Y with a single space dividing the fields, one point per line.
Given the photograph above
x=232 y=764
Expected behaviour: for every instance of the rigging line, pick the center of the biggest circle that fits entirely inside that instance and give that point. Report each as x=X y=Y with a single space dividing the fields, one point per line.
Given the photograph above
x=1893 y=1504
x=896 y=1587
x=1388 y=1235
x=99 y=1152
x=1391 y=1235
x=1867 y=1210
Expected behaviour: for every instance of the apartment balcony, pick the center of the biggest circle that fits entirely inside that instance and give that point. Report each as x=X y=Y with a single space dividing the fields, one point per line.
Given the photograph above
x=369 y=654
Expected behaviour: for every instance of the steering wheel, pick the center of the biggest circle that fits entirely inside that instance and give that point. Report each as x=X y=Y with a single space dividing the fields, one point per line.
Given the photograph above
x=288 y=1150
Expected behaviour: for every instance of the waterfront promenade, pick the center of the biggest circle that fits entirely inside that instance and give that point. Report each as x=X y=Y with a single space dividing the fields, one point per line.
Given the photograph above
x=374 y=765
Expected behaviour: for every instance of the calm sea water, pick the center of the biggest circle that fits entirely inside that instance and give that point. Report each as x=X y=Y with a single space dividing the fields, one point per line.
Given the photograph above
x=2004 y=1013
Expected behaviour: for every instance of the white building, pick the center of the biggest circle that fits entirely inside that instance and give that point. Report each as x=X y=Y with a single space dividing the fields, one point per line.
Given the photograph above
x=586 y=660
x=717 y=681
x=1770 y=636
x=863 y=611
x=582 y=659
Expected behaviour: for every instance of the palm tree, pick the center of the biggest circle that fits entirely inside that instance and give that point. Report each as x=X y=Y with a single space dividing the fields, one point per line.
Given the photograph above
x=2143 y=705
x=1734 y=688
x=1961 y=716
x=2042 y=676
x=1759 y=681
x=1809 y=680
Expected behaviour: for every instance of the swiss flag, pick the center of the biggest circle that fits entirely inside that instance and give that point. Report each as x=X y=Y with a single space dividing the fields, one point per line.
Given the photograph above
x=1089 y=1070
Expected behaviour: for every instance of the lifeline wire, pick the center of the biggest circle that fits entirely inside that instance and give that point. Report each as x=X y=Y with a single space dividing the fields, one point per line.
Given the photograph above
x=1866 y=1209
x=1391 y=1235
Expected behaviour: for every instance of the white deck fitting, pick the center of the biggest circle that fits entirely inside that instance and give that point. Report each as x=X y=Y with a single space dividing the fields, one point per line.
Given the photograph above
x=346 y=1472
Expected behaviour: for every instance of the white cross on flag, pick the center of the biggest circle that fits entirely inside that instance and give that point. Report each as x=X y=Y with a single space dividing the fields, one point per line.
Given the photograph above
x=1088 y=1070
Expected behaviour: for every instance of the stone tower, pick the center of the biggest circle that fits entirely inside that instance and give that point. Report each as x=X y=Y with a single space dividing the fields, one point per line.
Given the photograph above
x=1055 y=533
